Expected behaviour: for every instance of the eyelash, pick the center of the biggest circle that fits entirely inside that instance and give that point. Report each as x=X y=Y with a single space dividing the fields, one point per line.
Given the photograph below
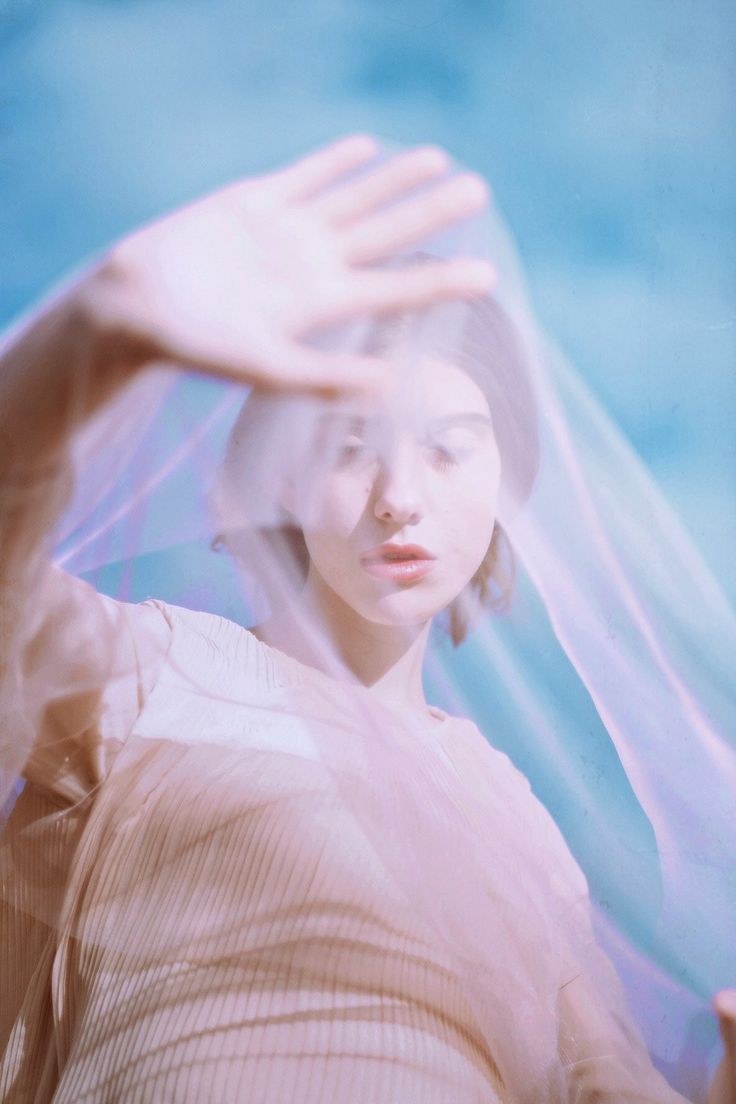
x=442 y=458
x=349 y=452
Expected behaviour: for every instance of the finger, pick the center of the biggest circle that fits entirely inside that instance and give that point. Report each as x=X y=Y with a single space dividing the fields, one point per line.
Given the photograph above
x=326 y=165
x=419 y=286
x=293 y=367
x=387 y=183
x=725 y=1006
x=376 y=238
x=296 y=367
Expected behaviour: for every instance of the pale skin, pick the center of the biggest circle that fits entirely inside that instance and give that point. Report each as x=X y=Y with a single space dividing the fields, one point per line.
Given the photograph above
x=231 y=285
x=419 y=467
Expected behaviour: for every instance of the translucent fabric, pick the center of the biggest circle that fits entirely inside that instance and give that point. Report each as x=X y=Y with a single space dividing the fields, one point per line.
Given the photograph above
x=235 y=870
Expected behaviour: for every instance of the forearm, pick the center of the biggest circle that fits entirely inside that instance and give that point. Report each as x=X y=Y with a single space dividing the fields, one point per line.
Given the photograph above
x=57 y=367
x=61 y=645
x=37 y=401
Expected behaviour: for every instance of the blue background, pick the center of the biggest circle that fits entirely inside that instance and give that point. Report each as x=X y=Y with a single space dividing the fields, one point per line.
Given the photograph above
x=607 y=132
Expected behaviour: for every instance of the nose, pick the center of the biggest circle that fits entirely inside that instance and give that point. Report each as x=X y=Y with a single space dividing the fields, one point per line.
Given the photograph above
x=398 y=496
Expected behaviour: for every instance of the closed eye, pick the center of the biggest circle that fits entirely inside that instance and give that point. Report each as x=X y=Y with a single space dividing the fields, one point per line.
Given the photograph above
x=353 y=448
x=347 y=452
x=442 y=458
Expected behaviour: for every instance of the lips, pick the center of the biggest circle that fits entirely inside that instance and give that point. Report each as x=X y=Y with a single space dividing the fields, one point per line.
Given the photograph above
x=399 y=563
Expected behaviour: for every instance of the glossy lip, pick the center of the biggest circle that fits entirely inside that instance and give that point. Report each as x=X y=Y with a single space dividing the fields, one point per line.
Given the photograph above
x=398 y=563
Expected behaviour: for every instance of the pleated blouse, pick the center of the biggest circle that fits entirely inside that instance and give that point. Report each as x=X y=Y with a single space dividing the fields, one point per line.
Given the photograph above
x=174 y=930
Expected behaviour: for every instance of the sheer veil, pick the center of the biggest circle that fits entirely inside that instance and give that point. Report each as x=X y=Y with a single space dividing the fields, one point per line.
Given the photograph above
x=594 y=663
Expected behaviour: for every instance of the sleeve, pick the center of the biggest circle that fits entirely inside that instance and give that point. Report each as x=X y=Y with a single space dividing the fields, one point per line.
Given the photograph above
x=603 y=1056
x=75 y=666
x=87 y=671
x=602 y=1051
x=75 y=670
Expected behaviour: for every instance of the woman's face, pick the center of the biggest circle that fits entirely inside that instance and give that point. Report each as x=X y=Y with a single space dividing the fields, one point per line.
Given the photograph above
x=419 y=473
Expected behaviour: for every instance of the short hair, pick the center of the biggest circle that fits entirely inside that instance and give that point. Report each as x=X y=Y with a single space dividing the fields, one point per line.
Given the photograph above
x=479 y=338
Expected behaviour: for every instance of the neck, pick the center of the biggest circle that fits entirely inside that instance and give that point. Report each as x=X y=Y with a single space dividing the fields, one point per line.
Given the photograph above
x=319 y=626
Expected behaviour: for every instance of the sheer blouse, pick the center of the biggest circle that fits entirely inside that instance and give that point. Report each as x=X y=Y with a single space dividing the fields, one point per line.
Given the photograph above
x=188 y=914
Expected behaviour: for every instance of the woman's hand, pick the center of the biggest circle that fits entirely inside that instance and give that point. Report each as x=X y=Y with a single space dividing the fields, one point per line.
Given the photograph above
x=234 y=282
x=723 y=1089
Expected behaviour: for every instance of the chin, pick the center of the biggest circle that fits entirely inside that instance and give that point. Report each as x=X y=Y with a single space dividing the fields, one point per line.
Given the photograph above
x=400 y=606
x=404 y=608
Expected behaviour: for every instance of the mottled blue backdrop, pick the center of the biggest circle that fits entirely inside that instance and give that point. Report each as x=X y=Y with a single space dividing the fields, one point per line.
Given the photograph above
x=607 y=131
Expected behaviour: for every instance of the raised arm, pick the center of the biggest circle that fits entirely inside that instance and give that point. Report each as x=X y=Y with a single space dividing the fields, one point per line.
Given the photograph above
x=229 y=285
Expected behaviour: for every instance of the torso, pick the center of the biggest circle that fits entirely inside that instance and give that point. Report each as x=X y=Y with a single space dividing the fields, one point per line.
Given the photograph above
x=228 y=920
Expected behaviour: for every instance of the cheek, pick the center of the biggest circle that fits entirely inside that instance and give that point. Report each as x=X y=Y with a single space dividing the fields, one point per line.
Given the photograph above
x=339 y=506
x=470 y=517
x=469 y=526
x=323 y=494
x=334 y=515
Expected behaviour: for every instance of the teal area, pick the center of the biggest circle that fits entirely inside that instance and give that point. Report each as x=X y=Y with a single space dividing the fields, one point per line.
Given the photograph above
x=608 y=133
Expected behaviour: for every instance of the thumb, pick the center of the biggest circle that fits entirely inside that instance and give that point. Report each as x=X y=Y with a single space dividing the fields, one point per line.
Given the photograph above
x=724 y=1004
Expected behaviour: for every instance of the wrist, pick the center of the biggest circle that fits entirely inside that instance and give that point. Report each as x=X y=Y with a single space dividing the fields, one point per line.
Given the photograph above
x=106 y=310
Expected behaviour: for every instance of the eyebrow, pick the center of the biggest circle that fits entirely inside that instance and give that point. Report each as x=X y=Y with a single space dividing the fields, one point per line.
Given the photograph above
x=357 y=423
x=342 y=420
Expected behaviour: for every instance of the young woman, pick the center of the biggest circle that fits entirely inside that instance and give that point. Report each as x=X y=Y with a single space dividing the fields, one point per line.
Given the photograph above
x=257 y=864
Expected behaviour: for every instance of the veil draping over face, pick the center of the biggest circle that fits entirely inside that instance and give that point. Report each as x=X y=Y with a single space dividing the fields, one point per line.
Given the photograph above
x=595 y=659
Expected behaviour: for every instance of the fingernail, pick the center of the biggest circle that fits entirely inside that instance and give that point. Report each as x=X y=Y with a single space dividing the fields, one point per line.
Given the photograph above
x=362 y=145
x=434 y=157
x=473 y=189
x=725 y=1002
x=478 y=273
